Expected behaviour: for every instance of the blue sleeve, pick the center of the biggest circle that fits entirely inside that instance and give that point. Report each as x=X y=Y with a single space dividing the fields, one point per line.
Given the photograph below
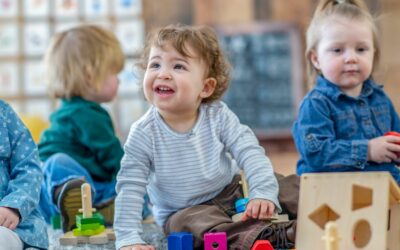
x=23 y=190
x=395 y=126
x=317 y=143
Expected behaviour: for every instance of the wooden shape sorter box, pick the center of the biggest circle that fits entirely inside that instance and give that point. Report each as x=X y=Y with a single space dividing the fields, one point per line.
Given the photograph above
x=364 y=205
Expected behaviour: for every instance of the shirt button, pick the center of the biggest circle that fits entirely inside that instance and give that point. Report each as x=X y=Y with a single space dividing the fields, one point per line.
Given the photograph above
x=309 y=137
x=361 y=103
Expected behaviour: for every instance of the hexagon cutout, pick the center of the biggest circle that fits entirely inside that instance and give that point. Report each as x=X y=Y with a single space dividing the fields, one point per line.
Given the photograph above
x=361 y=197
x=322 y=215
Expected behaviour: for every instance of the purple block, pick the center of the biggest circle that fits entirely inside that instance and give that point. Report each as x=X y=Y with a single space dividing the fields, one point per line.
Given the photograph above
x=215 y=241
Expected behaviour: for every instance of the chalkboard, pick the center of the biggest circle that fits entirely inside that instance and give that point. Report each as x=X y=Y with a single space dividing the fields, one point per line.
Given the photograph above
x=266 y=84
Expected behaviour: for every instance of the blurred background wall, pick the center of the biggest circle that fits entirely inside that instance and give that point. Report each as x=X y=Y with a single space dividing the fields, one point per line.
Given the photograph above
x=27 y=25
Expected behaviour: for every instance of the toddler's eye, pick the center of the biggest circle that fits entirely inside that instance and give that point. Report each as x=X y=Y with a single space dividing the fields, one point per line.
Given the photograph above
x=337 y=50
x=179 y=66
x=362 y=49
x=154 y=66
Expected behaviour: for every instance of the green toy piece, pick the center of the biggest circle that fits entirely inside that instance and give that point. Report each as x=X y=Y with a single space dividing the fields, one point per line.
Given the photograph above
x=56 y=221
x=89 y=226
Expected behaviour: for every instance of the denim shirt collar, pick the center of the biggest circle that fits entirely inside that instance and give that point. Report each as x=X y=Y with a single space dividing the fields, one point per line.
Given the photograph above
x=333 y=91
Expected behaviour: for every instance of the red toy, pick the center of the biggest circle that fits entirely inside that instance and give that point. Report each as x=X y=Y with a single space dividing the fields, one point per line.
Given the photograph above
x=394 y=134
x=262 y=245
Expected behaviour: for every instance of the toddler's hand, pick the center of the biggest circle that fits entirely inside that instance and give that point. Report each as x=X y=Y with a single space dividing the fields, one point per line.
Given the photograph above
x=258 y=209
x=138 y=247
x=8 y=218
x=383 y=149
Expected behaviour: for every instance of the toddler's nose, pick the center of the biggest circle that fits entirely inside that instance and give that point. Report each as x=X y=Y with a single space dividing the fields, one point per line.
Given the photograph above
x=164 y=74
x=350 y=57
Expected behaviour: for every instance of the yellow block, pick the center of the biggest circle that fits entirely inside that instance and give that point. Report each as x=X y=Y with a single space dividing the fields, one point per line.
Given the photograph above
x=35 y=124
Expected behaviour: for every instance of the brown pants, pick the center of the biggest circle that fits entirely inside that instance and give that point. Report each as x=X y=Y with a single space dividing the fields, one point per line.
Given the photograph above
x=215 y=216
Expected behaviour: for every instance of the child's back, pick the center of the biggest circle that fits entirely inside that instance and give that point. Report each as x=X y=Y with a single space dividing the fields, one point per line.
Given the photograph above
x=81 y=145
x=84 y=131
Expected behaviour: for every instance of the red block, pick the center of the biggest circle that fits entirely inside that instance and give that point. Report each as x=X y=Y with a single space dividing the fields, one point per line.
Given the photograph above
x=262 y=245
x=394 y=134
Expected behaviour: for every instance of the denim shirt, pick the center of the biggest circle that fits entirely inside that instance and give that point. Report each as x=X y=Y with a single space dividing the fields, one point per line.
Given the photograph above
x=21 y=177
x=333 y=129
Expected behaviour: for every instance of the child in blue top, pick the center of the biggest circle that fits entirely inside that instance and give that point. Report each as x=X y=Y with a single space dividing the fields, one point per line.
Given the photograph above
x=342 y=121
x=21 y=225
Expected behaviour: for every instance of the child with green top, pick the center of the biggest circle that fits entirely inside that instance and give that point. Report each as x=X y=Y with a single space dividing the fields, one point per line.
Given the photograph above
x=80 y=145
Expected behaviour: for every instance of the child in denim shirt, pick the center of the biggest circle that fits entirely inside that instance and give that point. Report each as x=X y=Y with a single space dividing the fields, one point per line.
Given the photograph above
x=342 y=121
x=21 y=225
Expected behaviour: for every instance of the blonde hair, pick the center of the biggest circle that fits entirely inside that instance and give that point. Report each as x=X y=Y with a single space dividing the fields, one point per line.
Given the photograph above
x=326 y=9
x=79 y=59
x=204 y=41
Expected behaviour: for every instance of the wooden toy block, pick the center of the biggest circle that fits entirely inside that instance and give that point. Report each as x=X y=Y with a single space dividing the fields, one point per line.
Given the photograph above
x=180 y=241
x=88 y=223
x=331 y=236
x=98 y=239
x=70 y=239
x=215 y=241
x=110 y=234
x=87 y=209
x=237 y=217
x=365 y=206
x=276 y=218
x=90 y=226
x=103 y=238
x=243 y=182
x=240 y=204
x=262 y=245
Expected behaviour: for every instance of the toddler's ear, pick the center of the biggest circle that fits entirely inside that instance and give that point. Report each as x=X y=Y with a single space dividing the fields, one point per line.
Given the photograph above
x=88 y=74
x=313 y=57
x=208 y=87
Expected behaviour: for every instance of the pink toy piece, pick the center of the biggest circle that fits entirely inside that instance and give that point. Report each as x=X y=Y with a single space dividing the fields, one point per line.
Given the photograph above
x=262 y=245
x=215 y=241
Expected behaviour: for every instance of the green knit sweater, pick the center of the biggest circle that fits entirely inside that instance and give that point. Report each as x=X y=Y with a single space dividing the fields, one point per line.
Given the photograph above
x=83 y=130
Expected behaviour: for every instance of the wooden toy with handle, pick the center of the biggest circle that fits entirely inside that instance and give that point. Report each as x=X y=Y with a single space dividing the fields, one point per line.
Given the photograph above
x=331 y=236
x=243 y=182
x=87 y=209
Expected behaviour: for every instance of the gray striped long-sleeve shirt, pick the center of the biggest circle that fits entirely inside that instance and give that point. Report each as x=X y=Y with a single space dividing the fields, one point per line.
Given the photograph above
x=185 y=169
